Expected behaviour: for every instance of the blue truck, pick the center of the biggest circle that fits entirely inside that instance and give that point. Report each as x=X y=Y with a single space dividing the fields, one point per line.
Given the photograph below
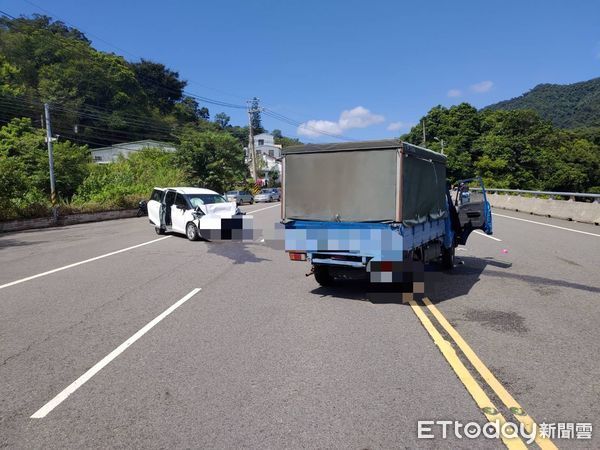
x=375 y=207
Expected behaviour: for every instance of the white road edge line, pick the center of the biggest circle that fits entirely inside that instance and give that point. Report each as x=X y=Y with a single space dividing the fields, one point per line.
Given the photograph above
x=546 y=224
x=48 y=407
x=49 y=272
x=262 y=209
x=481 y=233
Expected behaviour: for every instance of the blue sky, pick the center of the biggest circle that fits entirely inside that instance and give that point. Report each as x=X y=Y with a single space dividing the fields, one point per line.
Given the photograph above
x=364 y=69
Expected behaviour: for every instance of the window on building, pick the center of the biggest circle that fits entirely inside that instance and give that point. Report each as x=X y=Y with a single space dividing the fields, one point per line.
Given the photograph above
x=261 y=142
x=271 y=152
x=97 y=158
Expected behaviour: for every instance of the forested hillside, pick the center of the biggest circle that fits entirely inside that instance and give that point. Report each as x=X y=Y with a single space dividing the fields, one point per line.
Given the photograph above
x=99 y=99
x=574 y=105
x=511 y=149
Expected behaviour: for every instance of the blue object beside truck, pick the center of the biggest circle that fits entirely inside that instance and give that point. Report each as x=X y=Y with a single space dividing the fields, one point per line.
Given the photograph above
x=375 y=206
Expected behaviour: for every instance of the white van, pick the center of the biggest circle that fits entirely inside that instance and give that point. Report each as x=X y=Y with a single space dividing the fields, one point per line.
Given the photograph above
x=197 y=213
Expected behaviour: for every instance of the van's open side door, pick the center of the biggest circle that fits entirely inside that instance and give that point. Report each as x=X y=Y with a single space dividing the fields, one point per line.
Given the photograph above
x=154 y=206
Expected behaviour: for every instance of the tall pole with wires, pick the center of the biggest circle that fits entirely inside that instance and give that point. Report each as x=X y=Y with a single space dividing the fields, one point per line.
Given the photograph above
x=50 y=158
x=251 y=149
x=252 y=109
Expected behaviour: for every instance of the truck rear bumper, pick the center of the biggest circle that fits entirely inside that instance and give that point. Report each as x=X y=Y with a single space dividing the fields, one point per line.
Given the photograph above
x=379 y=248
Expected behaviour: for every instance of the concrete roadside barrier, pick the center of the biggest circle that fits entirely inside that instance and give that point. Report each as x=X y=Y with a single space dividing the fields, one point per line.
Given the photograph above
x=71 y=219
x=560 y=209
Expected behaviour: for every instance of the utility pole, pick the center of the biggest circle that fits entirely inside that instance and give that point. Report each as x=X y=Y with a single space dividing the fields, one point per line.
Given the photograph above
x=424 y=139
x=251 y=147
x=50 y=160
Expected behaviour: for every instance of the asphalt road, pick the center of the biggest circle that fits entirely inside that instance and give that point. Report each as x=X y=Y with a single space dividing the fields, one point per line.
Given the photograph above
x=262 y=357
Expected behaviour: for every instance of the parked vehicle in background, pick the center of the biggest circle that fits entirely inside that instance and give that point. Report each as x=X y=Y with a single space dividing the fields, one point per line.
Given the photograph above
x=142 y=209
x=276 y=194
x=265 y=195
x=239 y=197
x=197 y=213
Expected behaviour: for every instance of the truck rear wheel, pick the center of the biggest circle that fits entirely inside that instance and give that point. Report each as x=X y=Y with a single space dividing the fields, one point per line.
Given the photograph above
x=448 y=258
x=322 y=275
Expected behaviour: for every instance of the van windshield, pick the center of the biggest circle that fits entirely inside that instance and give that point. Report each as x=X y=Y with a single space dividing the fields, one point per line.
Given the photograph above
x=205 y=199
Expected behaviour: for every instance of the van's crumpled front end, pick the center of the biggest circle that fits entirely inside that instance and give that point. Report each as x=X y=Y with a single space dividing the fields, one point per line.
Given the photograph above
x=223 y=221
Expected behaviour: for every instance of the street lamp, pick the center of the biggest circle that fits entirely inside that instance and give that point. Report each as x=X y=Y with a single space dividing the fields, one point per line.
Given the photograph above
x=441 y=141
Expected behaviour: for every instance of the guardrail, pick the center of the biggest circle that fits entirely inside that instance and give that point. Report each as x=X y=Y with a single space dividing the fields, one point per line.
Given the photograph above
x=572 y=196
x=578 y=206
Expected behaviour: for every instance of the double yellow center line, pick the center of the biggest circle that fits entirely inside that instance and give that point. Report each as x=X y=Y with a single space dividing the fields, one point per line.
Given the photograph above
x=472 y=386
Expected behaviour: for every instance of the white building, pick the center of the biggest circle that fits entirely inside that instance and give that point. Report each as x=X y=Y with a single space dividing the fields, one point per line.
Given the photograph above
x=265 y=145
x=269 y=152
x=106 y=155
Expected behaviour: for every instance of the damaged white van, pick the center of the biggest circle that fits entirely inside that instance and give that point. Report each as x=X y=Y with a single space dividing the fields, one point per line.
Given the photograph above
x=197 y=213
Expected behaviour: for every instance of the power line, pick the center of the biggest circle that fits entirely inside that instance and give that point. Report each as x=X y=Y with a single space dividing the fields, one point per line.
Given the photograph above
x=267 y=112
x=293 y=122
x=30 y=107
x=77 y=139
x=111 y=135
x=8 y=15
x=189 y=94
x=273 y=114
x=129 y=119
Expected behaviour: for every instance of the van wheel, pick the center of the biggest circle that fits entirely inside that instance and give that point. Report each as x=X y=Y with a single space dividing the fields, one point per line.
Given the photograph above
x=322 y=275
x=448 y=258
x=191 y=231
x=159 y=230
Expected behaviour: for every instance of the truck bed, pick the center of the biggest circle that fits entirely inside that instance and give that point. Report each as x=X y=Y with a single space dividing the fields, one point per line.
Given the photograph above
x=359 y=241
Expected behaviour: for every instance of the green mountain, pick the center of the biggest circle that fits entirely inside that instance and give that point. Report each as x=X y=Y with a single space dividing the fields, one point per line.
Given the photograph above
x=574 y=105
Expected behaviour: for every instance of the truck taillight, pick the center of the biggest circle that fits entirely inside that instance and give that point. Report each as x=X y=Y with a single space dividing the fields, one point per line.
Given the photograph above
x=297 y=256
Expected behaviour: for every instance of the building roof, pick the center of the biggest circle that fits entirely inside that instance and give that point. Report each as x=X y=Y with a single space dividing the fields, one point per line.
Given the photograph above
x=189 y=190
x=142 y=143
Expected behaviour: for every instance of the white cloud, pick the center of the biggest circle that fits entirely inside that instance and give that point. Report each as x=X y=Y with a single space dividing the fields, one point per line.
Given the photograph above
x=482 y=86
x=454 y=93
x=313 y=128
x=358 y=117
x=397 y=126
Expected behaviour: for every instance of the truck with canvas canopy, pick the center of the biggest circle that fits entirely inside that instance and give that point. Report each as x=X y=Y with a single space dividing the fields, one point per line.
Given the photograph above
x=374 y=206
